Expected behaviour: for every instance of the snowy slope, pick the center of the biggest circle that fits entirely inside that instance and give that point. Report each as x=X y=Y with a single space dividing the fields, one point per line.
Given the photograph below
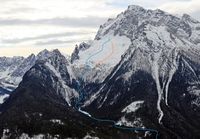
x=8 y=65
x=3 y=97
x=133 y=106
x=55 y=70
x=67 y=92
x=100 y=58
x=158 y=42
x=134 y=26
x=106 y=51
x=13 y=69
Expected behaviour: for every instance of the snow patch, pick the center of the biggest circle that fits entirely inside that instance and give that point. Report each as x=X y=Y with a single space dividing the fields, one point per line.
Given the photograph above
x=2 y=98
x=133 y=107
x=26 y=136
x=124 y=122
x=171 y=73
x=66 y=91
x=155 y=73
x=6 y=133
x=106 y=96
x=93 y=97
x=8 y=86
x=109 y=45
x=57 y=121
x=98 y=60
x=84 y=112
x=90 y=137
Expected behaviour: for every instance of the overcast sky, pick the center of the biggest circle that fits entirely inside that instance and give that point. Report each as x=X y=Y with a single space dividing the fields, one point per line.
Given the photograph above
x=29 y=26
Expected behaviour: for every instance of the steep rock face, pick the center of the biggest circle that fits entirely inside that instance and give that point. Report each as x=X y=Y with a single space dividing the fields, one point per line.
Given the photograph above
x=41 y=106
x=94 y=61
x=160 y=68
x=133 y=20
x=18 y=73
x=54 y=72
x=7 y=66
x=81 y=47
x=13 y=69
x=136 y=23
x=174 y=109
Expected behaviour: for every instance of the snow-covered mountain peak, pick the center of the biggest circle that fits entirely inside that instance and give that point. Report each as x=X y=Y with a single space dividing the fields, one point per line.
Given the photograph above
x=56 y=51
x=188 y=18
x=44 y=53
x=57 y=72
x=151 y=29
x=32 y=58
x=8 y=65
x=57 y=59
x=13 y=69
x=95 y=63
x=135 y=18
x=155 y=29
x=156 y=39
x=135 y=8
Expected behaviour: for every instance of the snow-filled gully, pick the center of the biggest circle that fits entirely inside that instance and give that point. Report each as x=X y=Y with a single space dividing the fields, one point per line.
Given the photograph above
x=154 y=60
x=155 y=73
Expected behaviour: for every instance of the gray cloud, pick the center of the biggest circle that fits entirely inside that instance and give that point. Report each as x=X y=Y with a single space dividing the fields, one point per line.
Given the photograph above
x=57 y=42
x=196 y=15
x=46 y=36
x=89 y=21
x=20 y=10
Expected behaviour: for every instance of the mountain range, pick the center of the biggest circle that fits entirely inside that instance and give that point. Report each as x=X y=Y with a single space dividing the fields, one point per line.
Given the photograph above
x=139 y=78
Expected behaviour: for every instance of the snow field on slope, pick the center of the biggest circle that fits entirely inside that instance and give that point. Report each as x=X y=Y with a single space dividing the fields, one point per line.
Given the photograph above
x=106 y=51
